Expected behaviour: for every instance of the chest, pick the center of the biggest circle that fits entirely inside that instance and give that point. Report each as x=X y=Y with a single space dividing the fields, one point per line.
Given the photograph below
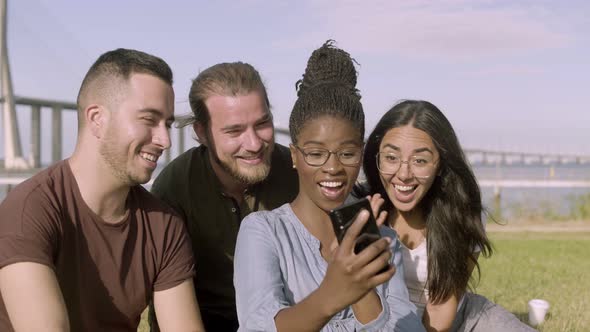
x=106 y=275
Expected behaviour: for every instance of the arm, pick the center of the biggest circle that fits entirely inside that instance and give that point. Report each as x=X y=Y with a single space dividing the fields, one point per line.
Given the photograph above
x=177 y=308
x=257 y=275
x=439 y=317
x=33 y=288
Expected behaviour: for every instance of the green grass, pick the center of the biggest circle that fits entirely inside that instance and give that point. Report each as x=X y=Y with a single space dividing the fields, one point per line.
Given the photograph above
x=554 y=267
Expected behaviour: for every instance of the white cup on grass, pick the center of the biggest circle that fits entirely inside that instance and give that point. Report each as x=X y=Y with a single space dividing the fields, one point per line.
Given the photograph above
x=537 y=310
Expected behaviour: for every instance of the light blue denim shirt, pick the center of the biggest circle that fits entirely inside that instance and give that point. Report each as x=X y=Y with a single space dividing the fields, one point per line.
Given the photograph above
x=278 y=263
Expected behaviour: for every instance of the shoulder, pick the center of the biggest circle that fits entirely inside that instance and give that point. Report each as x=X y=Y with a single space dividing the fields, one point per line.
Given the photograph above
x=154 y=207
x=173 y=183
x=268 y=217
x=281 y=156
x=178 y=167
x=37 y=193
x=281 y=170
x=273 y=221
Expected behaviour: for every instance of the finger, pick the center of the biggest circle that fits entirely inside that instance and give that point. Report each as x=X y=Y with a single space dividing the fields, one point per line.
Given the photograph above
x=354 y=230
x=381 y=278
x=334 y=246
x=382 y=218
x=376 y=202
x=377 y=264
x=372 y=251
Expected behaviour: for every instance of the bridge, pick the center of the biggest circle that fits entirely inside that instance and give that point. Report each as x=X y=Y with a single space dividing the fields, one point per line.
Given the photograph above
x=17 y=166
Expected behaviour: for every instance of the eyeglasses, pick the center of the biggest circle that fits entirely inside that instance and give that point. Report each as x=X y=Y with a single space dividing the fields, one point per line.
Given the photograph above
x=389 y=163
x=318 y=156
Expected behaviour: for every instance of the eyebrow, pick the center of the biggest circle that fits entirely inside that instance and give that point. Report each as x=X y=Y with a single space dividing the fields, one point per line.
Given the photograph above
x=264 y=118
x=418 y=150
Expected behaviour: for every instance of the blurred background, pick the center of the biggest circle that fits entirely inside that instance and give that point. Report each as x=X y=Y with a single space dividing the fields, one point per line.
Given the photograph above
x=511 y=76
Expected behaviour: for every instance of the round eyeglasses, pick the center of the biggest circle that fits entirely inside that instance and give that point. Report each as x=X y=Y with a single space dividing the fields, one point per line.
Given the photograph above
x=389 y=163
x=318 y=157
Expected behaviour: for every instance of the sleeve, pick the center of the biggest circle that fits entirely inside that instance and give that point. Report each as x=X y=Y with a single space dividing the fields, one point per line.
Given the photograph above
x=177 y=263
x=29 y=230
x=257 y=276
x=402 y=312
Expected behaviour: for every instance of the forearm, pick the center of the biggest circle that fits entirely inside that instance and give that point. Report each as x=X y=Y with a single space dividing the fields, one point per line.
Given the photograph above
x=314 y=310
x=368 y=308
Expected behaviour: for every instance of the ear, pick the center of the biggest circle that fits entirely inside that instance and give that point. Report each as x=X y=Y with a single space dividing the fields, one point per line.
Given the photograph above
x=293 y=151
x=201 y=133
x=96 y=119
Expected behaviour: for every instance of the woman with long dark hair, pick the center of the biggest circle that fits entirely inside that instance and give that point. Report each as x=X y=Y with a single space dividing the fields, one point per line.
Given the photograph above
x=413 y=159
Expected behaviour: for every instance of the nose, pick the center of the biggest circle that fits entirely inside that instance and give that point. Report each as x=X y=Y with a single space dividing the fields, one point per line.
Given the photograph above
x=252 y=142
x=404 y=172
x=162 y=137
x=332 y=165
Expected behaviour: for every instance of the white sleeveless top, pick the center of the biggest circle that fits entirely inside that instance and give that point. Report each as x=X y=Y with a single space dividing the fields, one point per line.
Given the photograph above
x=416 y=273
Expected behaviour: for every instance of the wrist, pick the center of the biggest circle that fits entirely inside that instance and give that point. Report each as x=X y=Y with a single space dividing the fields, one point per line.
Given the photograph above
x=326 y=304
x=371 y=298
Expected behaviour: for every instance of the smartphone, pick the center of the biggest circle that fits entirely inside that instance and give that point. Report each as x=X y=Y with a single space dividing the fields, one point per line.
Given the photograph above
x=343 y=216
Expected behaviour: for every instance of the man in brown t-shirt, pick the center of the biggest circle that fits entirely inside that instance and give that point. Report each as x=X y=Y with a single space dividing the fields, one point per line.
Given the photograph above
x=83 y=247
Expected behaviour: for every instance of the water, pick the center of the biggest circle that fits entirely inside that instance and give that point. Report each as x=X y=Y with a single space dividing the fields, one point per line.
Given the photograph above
x=518 y=202
x=533 y=202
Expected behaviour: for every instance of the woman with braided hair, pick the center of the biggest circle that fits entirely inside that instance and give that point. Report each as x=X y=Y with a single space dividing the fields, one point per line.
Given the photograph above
x=290 y=273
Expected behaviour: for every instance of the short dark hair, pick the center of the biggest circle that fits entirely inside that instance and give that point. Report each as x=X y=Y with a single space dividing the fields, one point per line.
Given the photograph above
x=328 y=87
x=227 y=79
x=116 y=65
x=452 y=207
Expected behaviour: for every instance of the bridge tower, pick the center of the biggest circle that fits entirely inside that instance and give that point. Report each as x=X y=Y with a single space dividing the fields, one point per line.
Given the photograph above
x=13 y=158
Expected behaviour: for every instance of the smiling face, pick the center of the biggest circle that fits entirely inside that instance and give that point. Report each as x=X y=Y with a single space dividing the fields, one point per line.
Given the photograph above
x=137 y=128
x=240 y=136
x=413 y=147
x=326 y=186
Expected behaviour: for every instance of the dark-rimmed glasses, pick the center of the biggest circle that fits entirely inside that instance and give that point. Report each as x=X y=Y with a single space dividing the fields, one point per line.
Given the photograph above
x=318 y=157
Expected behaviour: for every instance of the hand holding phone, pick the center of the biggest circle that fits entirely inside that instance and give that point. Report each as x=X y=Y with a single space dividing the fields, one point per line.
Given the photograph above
x=350 y=276
x=343 y=216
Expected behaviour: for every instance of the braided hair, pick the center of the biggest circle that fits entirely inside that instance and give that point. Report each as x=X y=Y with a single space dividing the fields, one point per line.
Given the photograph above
x=328 y=88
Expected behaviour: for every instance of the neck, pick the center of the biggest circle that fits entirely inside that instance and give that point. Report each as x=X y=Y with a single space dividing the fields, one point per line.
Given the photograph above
x=410 y=227
x=413 y=218
x=102 y=192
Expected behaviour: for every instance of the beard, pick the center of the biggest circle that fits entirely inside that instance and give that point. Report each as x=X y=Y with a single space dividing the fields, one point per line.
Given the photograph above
x=245 y=174
x=116 y=158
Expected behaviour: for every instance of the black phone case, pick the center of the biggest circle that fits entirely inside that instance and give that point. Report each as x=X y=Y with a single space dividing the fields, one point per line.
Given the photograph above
x=342 y=217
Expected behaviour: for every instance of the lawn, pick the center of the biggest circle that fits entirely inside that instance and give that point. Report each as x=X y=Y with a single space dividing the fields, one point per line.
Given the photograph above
x=551 y=266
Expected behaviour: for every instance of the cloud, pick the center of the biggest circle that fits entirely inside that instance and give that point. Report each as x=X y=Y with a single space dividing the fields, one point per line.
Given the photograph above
x=452 y=28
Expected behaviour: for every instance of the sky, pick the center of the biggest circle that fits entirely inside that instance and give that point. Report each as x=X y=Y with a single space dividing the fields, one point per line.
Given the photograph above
x=509 y=75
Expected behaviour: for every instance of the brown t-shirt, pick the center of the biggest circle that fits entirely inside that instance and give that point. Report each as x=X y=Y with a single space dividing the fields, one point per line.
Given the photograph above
x=107 y=272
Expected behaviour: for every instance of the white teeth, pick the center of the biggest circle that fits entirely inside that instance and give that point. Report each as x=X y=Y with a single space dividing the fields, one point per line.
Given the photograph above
x=331 y=184
x=403 y=188
x=148 y=156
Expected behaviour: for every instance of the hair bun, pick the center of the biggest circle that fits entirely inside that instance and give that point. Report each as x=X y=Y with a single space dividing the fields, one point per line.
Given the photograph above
x=328 y=64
